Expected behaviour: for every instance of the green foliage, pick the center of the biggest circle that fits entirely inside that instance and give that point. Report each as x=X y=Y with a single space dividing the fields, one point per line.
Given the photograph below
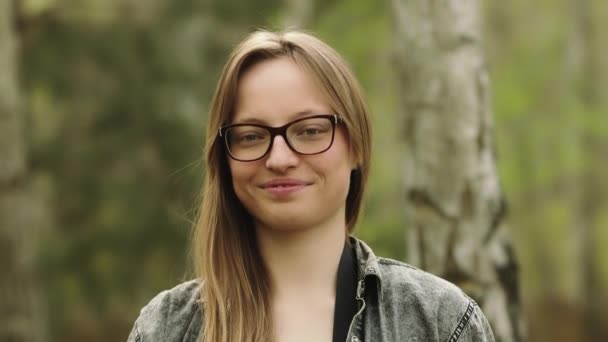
x=116 y=95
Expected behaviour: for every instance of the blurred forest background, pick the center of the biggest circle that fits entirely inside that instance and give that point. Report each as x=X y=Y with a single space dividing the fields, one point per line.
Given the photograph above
x=113 y=96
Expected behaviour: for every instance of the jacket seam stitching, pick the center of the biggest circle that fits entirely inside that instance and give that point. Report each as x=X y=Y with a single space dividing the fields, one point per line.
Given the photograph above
x=463 y=323
x=395 y=263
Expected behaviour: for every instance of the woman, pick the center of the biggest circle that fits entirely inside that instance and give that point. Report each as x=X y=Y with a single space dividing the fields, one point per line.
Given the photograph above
x=288 y=153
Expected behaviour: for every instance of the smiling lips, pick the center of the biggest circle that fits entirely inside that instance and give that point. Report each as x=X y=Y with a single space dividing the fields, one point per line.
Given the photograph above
x=284 y=186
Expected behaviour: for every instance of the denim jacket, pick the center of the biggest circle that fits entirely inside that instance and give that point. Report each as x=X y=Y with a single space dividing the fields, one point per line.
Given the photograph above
x=397 y=302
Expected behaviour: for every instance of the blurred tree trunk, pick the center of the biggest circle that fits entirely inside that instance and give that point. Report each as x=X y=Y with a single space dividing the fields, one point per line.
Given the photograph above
x=454 y=207
x=587 y=73
x=20 y=315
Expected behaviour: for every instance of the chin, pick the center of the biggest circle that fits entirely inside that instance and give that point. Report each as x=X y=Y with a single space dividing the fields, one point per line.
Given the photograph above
x=284 y=218
x=286 y=222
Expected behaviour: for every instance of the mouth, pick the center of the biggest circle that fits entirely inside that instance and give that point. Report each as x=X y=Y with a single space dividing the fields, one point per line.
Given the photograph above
x=284 y=187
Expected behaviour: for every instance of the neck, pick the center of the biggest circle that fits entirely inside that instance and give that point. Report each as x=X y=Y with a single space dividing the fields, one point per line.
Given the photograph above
x=303 y=260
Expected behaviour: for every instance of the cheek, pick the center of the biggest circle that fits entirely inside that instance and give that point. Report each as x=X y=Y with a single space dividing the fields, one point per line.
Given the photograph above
x=241 y=174
x=336 y=169
x=339 y=157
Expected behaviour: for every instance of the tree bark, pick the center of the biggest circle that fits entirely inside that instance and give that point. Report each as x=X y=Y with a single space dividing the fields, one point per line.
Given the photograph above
x=455 y=209
x=20 y=314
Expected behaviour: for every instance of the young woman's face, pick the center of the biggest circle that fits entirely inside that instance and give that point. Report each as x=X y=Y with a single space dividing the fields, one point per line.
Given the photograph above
x=284 y=189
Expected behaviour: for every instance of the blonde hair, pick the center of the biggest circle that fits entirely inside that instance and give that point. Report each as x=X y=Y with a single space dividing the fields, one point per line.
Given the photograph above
x=235 y=295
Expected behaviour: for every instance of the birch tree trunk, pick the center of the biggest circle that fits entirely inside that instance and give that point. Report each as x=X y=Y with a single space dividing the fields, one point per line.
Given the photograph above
x=20 y=317
x=454 y=208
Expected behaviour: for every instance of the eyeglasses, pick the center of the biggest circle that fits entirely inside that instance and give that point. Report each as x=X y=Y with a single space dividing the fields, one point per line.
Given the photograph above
x=309 y=135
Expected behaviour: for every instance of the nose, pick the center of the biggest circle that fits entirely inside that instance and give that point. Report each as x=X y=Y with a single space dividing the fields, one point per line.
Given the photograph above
x=281 y=157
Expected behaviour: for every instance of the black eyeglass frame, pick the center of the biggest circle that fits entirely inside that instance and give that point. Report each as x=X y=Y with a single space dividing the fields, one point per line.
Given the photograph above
x=282 y=131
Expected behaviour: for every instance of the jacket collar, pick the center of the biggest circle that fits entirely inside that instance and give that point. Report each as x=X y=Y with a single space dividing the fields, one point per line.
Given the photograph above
x=368 y=268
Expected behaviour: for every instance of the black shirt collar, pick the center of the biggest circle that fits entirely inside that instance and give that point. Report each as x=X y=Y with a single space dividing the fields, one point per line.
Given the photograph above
x=346 y=291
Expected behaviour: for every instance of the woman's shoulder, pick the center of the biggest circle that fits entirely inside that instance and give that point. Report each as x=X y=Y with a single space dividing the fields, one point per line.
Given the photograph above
x=420 y=295
x=172 y=315
x=398 y=276
x=403 y=281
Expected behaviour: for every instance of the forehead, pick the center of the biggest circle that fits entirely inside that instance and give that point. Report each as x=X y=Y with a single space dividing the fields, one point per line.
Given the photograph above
x=277 y=91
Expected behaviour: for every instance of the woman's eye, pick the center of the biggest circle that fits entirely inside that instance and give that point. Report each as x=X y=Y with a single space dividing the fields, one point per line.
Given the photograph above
x=310 y=131
x=250 y=137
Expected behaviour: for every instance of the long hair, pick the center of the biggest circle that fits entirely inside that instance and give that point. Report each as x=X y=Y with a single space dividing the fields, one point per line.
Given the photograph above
x=235 y=291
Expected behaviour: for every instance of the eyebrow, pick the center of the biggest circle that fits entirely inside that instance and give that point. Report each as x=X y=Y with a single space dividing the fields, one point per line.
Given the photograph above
x=254 y=120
